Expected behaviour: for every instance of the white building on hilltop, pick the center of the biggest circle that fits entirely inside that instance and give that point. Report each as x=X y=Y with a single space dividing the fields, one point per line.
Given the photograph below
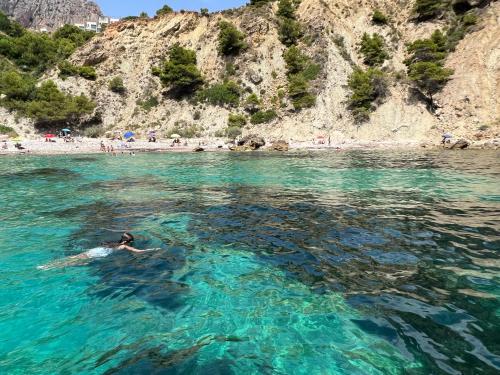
x=97 y=26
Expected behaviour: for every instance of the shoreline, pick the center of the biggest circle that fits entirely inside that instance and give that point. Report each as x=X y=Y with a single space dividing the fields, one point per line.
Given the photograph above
x=92 y=146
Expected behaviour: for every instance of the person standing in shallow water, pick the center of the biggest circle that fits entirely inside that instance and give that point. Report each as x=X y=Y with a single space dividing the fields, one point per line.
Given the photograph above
x=97 y=252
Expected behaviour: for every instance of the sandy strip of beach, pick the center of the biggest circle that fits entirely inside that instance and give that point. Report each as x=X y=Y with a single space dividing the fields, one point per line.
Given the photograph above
x=93 y=145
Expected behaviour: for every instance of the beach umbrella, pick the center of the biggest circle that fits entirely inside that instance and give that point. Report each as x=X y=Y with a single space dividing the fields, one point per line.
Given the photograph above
x=17 y=139
x=128 y=135
x=50 y=135
x=173 y=136
x=3 y=137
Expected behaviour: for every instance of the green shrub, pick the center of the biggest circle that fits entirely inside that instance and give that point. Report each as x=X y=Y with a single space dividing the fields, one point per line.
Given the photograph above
x=51 y=106
x=373 y=49
x=236 y=120
x=253 y=99
x=164 y=10
x=300 y=70
x=379 y=18
x=232 y=132
x=289 y=31
x=226 y=93
x=231 y=40
x=298 y=91
x=180 y=72
x=469 y=19
x=204 y=12
x=16 y=86
x=366 y=88
x=428 y=9
x=7 y=130
x=87 y=72
x=262 y=117
x=116 y=85
x=429 y=77
x=259 y=2
x=35 y=52
x=230 y=69
x=425 y=64
x=9 y=27
x=286 y=9
x=66 y=69
x=295 y=60
x=311 y=71
x=149 y=103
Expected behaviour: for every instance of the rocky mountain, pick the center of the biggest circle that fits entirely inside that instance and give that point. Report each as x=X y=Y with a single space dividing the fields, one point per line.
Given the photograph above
x=468 y=106
x=50 y=14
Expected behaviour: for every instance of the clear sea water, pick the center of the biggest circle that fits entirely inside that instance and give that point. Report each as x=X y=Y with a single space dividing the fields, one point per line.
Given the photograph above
x=301 y=263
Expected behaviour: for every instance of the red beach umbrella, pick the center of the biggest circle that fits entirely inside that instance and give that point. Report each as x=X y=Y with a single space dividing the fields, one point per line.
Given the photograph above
x=50 y=135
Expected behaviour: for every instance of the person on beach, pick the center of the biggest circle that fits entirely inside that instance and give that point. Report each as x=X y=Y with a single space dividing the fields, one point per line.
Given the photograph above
x=95 y=253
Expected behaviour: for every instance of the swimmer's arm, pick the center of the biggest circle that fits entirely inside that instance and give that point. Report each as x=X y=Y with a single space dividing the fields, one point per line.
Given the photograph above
x=130 y=248
x=134 y=250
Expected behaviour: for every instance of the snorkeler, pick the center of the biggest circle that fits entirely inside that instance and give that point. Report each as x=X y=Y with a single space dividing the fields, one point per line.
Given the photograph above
x=97 y=252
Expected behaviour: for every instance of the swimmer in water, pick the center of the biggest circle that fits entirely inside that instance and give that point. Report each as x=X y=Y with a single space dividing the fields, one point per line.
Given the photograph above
x=98 y=252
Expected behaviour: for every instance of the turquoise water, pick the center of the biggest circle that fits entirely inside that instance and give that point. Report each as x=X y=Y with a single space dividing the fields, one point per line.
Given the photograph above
x=305 y=263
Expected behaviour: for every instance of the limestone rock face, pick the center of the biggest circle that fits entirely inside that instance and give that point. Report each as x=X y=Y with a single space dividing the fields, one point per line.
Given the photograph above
x=50 y=14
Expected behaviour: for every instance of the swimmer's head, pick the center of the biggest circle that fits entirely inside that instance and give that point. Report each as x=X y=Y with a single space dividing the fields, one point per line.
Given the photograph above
x=126 y=238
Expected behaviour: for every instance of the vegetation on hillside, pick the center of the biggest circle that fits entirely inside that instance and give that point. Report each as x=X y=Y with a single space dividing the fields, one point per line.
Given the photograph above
x=25 y=56
x=426 y=64
x=35 y=52
x=300 y=68
x=373 y=49
x=66 y=69
x=164 y=10
x=290 y=30
x=379 y=18
x=225 y=93
x=116 y=85
x=368 y=88
x=428 y=9
x=180 y=72
x=231 y=40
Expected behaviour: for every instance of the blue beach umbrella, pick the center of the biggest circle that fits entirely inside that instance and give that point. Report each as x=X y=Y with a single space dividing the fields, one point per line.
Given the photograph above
x=129 y=135
x=66 y=130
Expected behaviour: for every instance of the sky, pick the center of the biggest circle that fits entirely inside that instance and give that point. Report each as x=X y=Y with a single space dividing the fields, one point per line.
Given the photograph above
x=122 y=8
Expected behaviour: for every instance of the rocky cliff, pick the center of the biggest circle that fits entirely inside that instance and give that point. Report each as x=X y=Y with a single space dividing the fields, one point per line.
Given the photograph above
x=50 y=14
x=333 y=29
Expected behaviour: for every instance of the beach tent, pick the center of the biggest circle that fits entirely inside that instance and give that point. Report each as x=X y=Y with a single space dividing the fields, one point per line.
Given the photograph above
x=65 y=131
x=128 y=135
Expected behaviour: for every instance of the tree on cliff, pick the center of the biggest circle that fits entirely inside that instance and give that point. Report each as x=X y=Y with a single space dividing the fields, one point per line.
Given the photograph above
x=231 y=40
x=180 y=72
